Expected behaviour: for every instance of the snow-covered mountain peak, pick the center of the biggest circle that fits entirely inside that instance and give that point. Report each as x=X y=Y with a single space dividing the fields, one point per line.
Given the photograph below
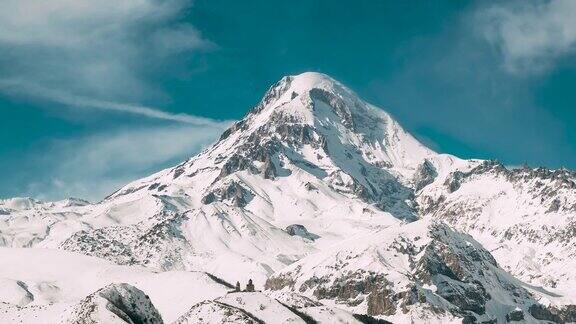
x=298 y=98
x=312 y=109
x=311 y=131
x=19 y=203
x=307 y=81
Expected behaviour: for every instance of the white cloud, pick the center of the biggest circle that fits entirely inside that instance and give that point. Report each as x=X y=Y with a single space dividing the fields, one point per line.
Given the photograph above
x=101 y=54
x=95 y=166
x=57 y=96
x=93 y=48
x=531 y=35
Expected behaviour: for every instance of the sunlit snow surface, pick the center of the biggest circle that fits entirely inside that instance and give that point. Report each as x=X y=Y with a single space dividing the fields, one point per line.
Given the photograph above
x=310 y=153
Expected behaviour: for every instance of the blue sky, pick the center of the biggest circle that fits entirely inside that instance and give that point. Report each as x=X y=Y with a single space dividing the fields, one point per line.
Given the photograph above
x=94 y=94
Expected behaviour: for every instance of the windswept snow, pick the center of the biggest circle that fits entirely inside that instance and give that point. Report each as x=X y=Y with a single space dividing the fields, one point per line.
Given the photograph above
x=57 y=279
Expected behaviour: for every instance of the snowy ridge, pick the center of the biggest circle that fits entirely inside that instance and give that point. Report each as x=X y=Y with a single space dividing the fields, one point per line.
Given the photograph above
x=419 y=271
x=526 y=217
x=327 y=202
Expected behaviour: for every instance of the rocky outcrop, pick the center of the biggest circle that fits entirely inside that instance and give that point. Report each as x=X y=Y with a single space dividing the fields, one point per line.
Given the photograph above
x=279 y=282
x=160 y=245
x=340 y=108
x=236 y=163
x=448 y=272
x=353 y=288
x=300 y=230
x=424 y=175
x=566 y=314
x=105 y=243
x=515 y=316
x=269 y=169
x=515 y=210
x=233 y=192
x=115 y=304
x=211 y=311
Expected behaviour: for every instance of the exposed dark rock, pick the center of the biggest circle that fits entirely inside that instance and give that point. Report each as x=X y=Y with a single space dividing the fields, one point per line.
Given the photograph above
x=300 y=230
x=451 y=273
x=515 y=316
x=453 y=267
x=103 y=244
x=454 y=181
x=558 y=179
x=380 y=302
x=410 y=297
x=465 y=297
x=279 y=281
x=178 y=171
x=153 y=186
x=310 y=187
x=567 y=314
x=336 y=103
x=367 y=319
x=128 y=303
x=220 y=280
x=236 y=163
x=425 y=175
x=305 y=317
x=239 y=125
x=275 y=92
x=353 y=288
x=229 y=313
x=122 y=192
x=233 y=192
x=269 y=169
x=554 y=206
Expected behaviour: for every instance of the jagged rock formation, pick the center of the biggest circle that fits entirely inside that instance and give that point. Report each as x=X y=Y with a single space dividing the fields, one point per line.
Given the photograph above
x=425 y=175
x=116 y=303
x=524 y=216
x=424 y=266
x=300 y=230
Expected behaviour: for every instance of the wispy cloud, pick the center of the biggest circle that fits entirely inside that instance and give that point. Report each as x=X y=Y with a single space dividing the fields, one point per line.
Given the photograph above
x=94 y=166
x=530 y=34
x=63 y=98
x=100 y=55
x=452 y=88
x=102 y=49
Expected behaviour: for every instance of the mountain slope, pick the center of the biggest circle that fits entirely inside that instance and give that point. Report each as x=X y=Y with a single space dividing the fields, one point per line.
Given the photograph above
x=423 y=270
x=525 y=217
x=312 y=173
x=52 y=281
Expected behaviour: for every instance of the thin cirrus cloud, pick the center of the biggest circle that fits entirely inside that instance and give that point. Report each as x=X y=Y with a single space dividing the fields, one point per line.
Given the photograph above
x=94 y=166
x=66 y=99
x=94 y=48
x=100 y=55
x=530 y=35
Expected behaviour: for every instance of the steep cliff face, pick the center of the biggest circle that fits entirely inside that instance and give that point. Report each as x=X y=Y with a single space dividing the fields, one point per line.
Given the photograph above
x=526 y=217
x=421 y=268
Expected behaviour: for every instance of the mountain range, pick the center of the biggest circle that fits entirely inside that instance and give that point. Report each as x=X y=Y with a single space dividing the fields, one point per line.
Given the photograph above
x=334 y=211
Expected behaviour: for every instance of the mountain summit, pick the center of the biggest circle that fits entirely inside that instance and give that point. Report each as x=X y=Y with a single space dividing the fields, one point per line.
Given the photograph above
x=319 y=196
x=322 y=109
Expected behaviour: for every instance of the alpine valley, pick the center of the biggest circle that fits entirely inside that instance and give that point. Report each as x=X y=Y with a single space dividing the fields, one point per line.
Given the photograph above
x=334 y=212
